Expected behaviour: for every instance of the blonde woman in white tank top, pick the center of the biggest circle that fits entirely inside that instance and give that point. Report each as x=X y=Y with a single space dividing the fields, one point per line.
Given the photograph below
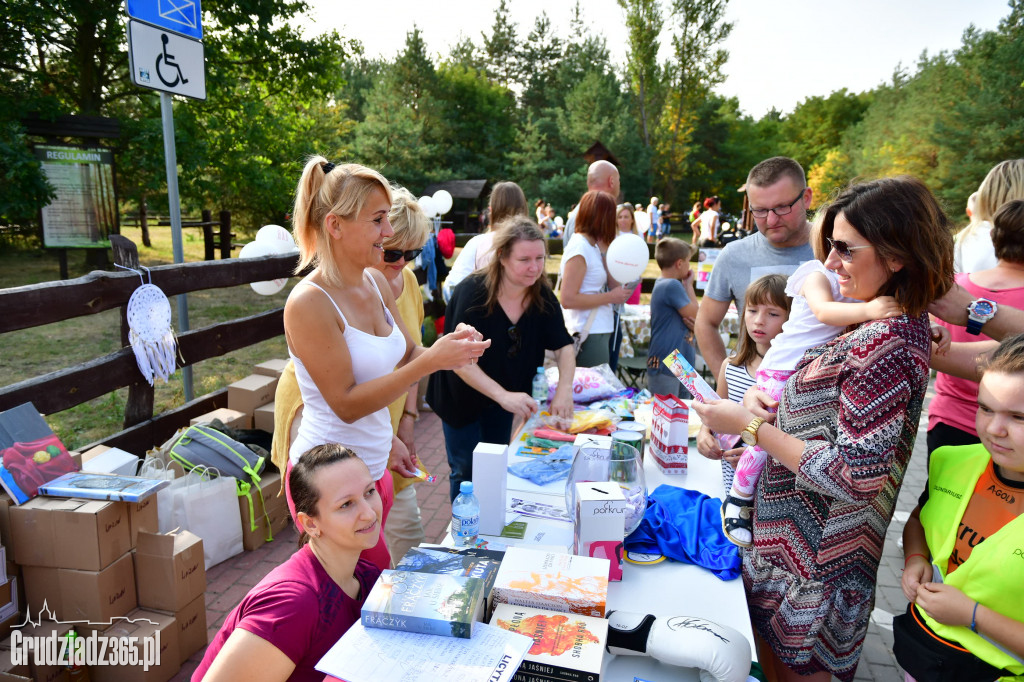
x=347 y=321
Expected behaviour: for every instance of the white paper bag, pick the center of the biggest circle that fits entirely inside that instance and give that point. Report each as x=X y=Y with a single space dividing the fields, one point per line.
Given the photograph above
x=156 y=469
x=207 y=505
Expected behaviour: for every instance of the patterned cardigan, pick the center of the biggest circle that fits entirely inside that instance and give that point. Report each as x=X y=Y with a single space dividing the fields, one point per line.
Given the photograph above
x=818 y=534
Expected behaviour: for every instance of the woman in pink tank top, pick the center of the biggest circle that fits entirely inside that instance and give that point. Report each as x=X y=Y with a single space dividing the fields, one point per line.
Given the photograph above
x=348 y=315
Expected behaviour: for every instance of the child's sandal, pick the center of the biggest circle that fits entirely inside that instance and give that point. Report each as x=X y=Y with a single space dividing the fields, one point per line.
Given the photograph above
x=742 y=522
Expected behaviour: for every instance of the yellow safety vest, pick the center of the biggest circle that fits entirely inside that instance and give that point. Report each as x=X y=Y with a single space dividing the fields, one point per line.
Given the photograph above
x=994 y=572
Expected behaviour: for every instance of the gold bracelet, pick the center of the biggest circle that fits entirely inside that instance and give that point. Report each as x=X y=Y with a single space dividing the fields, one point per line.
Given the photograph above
x=410 y=413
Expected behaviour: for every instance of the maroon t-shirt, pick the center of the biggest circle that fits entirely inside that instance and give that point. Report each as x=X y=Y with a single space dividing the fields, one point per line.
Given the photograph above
x=299 y=609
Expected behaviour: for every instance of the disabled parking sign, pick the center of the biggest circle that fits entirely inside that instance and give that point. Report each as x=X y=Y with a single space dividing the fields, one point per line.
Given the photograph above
x=163 y=60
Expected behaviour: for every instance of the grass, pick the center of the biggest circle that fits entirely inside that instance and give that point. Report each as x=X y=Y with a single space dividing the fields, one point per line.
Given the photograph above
x=29 y=353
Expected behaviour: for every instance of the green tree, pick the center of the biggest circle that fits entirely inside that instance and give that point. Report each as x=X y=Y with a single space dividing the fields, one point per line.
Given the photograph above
x=501 y=48
x=699 y=29
x=540 y=57
x=644 y=20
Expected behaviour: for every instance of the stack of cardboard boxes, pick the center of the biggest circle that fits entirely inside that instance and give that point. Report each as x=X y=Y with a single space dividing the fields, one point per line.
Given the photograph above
x=89 y=566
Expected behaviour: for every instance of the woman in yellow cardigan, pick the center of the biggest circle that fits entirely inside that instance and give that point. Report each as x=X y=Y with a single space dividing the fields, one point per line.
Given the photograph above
x=964 y=545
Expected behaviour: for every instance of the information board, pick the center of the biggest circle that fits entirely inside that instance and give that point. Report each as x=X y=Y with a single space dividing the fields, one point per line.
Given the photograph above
x=84 y=212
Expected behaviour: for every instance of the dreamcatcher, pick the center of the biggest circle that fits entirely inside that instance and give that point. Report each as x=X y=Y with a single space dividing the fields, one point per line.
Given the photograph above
x=150 y=334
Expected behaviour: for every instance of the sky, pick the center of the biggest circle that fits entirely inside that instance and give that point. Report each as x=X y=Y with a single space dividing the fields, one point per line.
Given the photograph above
x=779 y=52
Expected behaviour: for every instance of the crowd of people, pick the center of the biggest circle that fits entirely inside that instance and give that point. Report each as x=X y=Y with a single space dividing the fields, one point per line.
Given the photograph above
x=842 y=321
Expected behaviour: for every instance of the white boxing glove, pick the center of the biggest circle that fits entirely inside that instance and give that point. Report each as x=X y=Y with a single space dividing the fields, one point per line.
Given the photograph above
x=721 y=653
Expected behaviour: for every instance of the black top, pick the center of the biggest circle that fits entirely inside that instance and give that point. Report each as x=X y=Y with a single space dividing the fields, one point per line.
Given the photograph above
x=512 y=360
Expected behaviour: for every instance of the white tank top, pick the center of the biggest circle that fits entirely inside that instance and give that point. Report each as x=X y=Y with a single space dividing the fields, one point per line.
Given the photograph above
x=372 y=357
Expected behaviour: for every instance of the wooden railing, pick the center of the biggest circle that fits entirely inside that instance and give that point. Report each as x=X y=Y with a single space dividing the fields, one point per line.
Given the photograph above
x=40 y=304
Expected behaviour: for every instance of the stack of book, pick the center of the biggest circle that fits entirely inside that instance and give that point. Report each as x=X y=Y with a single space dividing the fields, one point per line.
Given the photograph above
x=566 y=647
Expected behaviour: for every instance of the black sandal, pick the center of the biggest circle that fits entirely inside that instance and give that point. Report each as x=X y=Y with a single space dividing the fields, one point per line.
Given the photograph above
x=743 y=522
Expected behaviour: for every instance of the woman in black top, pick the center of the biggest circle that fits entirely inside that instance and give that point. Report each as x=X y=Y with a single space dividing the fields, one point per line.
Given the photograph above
x=511 y=303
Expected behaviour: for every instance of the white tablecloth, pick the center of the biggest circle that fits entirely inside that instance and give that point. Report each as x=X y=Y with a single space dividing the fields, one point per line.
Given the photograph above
x=666 y=589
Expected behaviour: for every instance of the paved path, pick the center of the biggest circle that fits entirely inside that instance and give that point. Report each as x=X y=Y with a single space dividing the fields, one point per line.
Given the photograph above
x=229 y=581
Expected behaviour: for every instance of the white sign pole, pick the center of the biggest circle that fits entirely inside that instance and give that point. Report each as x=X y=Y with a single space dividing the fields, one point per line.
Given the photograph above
x=174 y=205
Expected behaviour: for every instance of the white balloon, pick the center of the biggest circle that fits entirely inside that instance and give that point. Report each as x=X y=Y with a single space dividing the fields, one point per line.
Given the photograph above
x=559 y=221
x=643 y=221
x=627 y=258
x=278 y=237
x=427 y=205
x=442 y=201
x=257 y=249
x=268 y=288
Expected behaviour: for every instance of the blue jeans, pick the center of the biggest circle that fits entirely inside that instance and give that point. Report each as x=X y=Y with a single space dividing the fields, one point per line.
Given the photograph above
x=494 y=426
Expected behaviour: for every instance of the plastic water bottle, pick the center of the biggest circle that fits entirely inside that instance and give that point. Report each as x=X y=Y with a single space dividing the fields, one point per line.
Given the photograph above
x=540 y=387
x=465 y=516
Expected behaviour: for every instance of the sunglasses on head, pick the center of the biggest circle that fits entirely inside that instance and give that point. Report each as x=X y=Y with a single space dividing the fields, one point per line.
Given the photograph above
x=844 y=250
x=394 y=255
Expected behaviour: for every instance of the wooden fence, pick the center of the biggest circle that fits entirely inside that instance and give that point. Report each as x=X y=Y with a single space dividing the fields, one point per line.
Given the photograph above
x=40 y=304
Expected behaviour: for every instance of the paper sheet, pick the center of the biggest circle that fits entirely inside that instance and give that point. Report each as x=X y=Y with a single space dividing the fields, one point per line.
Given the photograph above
x=378 y=655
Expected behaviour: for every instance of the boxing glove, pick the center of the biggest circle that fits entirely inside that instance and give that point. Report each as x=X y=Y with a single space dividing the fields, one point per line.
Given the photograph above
x=721 y=653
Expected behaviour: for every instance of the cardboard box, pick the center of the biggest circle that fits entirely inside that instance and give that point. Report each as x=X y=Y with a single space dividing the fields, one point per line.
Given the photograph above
x=230 y=418
x=29 y=670
x=599 y=524
x=245 y=395
x=73 y=595
x=6 y=538
x=191 y=622
x=87 y=535
x=490 y=476
x=110 y=461
x=170 y=571
x=150 y=629
x=263 y=418
x=143 y=516
x=553 y=581
x=271 y=368
x=276 y=509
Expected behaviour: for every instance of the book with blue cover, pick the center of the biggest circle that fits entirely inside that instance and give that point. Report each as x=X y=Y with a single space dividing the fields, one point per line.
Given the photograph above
x=97 y=486
x=453 y=562
x=428 y=603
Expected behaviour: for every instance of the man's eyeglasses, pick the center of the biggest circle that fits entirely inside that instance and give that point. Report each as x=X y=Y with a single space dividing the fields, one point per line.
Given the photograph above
x=844 y=250
x=780 y=211
x=394 y=255
x=517 y=341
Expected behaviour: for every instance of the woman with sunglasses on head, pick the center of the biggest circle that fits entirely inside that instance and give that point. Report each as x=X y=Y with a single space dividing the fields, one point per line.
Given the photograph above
x=843 y=435
x=512 y=304
x=352 y=351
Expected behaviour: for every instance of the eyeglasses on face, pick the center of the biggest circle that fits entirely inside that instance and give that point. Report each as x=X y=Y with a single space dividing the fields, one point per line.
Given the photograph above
x=517 y=341
x=780 y=211
x=844 y=250
x=394 y=255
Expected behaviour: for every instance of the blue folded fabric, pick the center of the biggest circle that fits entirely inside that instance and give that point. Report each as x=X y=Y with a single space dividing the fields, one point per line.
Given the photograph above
x=686 y=525
x=543 y=470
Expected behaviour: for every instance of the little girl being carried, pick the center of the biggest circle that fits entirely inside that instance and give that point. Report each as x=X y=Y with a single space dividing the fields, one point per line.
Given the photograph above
x=818 y=315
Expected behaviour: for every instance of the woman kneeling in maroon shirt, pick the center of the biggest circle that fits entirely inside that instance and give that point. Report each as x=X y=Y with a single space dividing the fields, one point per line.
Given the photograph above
x=285 y=625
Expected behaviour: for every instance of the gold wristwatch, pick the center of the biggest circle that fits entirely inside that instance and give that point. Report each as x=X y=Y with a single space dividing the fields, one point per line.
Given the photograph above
x=749 y=434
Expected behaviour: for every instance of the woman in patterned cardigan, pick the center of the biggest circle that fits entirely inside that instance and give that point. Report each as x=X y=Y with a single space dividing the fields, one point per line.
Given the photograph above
x=845 y=430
